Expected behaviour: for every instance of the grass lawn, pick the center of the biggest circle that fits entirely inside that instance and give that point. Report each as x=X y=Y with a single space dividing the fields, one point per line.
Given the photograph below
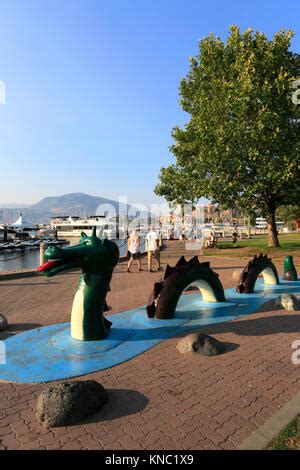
x=289 y=244
x=289 y=438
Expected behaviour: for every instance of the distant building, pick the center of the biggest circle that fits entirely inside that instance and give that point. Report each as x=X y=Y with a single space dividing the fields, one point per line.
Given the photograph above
x=210 y=212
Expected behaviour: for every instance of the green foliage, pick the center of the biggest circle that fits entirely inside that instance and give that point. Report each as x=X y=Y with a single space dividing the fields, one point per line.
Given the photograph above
x=177 y=186
x=240 y=146
x=289 y=438
x=288 y=213
x=252 y=217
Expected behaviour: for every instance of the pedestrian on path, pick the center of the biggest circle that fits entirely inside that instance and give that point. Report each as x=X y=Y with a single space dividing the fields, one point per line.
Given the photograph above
x=134 y=248
x=234 y=238
x=152 y=246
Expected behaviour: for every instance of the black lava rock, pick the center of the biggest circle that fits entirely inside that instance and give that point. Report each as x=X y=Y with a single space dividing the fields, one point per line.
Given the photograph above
x=69 y=402
x=208 y=346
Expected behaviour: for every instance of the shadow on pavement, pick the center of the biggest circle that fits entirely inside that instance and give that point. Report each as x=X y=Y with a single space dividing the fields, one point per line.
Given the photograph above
x=121 y=402
x=230 y=346
x=268 y=325
x=14 y=328
x=2 y=284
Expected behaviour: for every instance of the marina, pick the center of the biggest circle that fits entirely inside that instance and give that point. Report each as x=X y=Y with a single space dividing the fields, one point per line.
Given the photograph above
x=24 y=256
x=20 y=243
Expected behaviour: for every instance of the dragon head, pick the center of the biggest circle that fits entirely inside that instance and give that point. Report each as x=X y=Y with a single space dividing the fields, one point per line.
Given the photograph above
x=92 y=254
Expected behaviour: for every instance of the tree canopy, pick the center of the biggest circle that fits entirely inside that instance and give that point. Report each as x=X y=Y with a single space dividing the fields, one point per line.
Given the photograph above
x=240 y=147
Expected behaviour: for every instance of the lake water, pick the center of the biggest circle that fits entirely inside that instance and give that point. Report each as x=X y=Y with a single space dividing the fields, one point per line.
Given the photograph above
x=31 y=259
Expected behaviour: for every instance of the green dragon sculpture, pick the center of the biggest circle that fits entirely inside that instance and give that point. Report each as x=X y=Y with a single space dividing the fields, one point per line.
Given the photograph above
x=97 y=258
x=290 y=273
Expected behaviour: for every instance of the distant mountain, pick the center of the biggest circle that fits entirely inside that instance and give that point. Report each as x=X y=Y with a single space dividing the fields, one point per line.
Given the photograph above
x=74 y=204
x=78 y=204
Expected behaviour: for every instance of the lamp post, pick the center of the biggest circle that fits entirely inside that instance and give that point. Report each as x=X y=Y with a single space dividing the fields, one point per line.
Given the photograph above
x=42 y=251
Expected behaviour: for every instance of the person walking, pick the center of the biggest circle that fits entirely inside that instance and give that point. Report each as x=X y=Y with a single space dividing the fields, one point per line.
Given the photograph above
x=234 y=238
x=134 y=248
x=152 y=246
x=212 y=240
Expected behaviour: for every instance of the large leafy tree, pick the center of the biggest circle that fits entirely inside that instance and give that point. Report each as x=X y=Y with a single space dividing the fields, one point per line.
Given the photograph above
x=240 y=146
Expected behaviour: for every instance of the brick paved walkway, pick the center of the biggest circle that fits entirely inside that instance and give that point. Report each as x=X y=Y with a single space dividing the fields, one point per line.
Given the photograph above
x=161 y=399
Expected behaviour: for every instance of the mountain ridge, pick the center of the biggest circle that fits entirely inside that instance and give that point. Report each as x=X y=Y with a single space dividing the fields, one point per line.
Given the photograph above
x=69 y=204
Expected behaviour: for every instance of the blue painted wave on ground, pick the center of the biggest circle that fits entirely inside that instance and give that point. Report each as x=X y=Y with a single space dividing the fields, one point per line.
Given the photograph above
x=50 y=353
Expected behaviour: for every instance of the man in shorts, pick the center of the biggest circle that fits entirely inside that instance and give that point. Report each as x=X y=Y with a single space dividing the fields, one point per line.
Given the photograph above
x=152 y=245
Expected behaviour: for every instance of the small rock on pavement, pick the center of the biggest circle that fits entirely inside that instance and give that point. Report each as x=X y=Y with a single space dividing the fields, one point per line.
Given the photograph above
x=69 y=402
x=288 y=302
x=201 y=344
x=3 y=322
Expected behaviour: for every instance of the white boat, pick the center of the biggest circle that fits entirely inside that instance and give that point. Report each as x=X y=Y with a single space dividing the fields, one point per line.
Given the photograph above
x=73 y=226
x=261 y=223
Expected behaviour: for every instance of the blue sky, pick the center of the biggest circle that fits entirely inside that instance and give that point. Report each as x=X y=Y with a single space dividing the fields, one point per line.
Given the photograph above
x=92 y=88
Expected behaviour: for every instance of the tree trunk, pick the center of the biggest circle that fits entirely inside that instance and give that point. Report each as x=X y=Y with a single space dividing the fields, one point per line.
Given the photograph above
x=249 y=227
x=272 y=229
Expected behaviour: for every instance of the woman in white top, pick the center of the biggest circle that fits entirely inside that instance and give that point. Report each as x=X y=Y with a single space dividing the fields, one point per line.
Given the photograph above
x=134 y=247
